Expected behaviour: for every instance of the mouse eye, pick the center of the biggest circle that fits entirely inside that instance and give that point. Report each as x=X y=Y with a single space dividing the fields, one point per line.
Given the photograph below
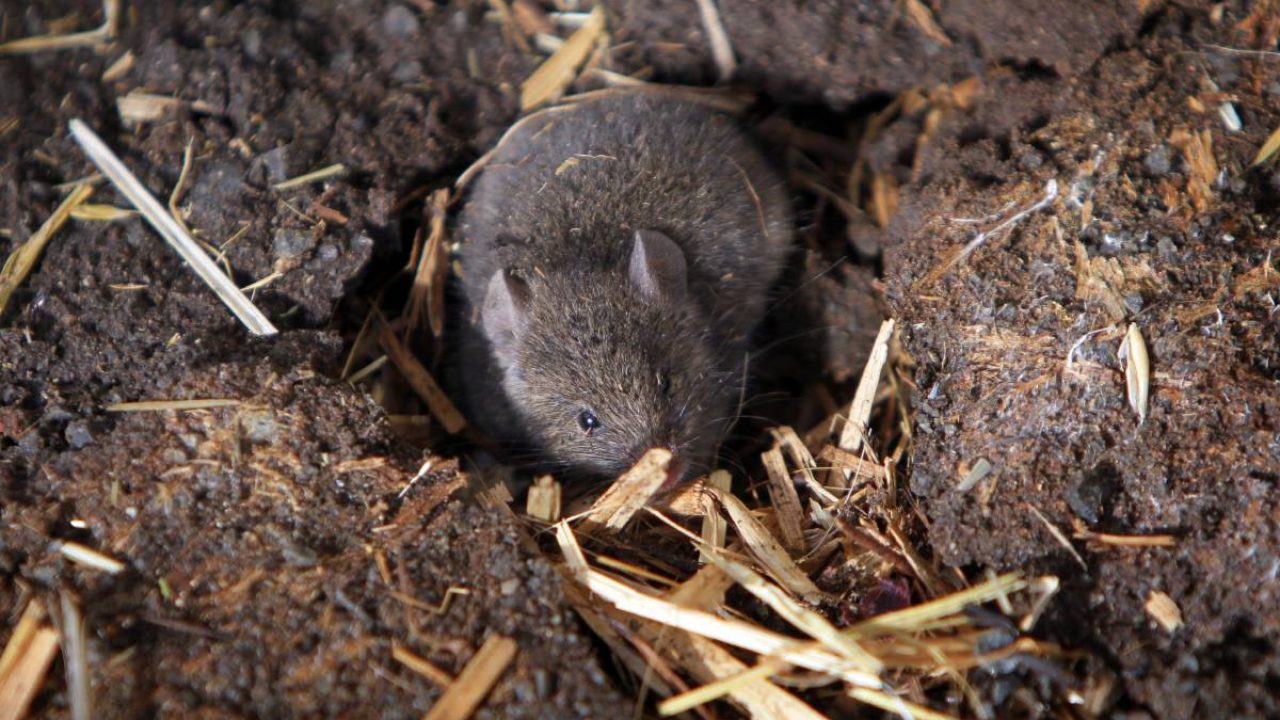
x=664 y=383
x=588 y=421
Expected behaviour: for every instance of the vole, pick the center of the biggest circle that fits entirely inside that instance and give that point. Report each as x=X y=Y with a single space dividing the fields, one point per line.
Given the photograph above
x=616 y=255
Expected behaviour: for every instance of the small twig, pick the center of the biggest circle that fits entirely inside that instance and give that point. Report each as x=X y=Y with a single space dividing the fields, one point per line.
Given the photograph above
x=171 y=230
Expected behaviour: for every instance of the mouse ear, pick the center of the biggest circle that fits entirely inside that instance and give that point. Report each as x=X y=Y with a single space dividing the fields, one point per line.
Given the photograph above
x=505 y=312
x=658 y=266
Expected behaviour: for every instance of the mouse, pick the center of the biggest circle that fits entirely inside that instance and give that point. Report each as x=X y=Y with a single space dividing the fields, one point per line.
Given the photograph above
x=616 y=255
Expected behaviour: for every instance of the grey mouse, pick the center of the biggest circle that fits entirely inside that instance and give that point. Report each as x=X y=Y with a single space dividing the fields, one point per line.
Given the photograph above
x=616 y=255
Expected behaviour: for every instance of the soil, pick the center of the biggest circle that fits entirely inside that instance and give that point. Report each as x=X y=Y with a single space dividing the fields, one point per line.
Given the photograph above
x=264 y=539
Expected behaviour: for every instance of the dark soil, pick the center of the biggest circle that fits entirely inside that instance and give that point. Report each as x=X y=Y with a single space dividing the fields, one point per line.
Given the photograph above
x=263 y=540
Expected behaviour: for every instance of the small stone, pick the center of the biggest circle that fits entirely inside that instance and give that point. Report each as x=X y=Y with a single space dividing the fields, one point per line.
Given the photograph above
x=290 y=243
x=78 y=434
x=407 y=72
x=1089 y=498
x=400 y=22
x=259 y=426
x=1157 y=162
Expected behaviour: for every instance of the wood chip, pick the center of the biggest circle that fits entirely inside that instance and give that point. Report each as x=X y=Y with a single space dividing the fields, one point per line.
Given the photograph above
x=475 y=681
x=854 y=465
x=20 y=262
x=426 y=387
x=543 y=502
x=557 y=72
x=139 y=107
x=855 y=427
x=632 y=491
x=1164 y=610
x=1137 y=371
x=761 y=543
x=923 y=17
x=980 y=470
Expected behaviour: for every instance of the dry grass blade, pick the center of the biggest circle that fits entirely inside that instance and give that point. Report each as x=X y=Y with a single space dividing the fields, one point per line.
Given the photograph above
x=20 y=262
x=159 y=405
x=713 y=523
x=555 y=74
x=786 y=501
x=101 y=213
x=855 y=427
x=733 y=632
x=421 y=666
x=632 y=491
x=913 y=618
x=441 y=407
x=100 y=35
x=896 y=705
x=475 y=681
x=1268 y=148
x=1058 y=535
x=431 y=273
x=168 y=227
x=1137 y=371
x=803 y=460
x=707 y=662
x=718 y=39
x=765 y=548
x=718 y=688
x=26 y=660
x=75 y=657
x=811 y=623
x=323 y=173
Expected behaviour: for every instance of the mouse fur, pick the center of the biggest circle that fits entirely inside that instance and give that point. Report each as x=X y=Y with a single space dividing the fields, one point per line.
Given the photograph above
x=616 y=255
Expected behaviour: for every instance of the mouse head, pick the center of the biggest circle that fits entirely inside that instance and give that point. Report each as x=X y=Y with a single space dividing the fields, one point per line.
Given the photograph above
x=605 y=365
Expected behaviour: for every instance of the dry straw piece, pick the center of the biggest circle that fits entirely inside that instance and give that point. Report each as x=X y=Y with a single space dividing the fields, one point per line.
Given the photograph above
x=475 y=681
x=171 y=230
x=25 y=662
x=20 y=262
x=555 y=74
x=632 y=491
